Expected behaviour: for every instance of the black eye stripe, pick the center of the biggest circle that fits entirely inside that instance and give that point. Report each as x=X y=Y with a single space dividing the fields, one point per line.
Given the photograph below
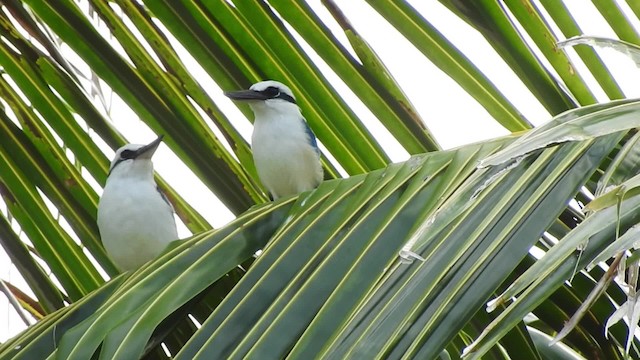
x=273 y=92
x=286 y=97
x=127 y=154
x=124 y=155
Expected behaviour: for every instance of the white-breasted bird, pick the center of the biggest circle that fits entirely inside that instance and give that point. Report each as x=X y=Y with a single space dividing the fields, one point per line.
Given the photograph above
x=134 y=218
x=284 y=148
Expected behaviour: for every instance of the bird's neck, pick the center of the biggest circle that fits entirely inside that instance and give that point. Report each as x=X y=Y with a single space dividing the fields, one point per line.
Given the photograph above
x=265 y=111
x=137 y=171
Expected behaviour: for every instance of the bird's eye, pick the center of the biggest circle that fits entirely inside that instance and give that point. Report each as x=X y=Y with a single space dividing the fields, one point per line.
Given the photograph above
x=127 y=154
x=271 y=91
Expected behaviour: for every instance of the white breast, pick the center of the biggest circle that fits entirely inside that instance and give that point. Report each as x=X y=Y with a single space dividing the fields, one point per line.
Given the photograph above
x=135 y=223
x=286 y=163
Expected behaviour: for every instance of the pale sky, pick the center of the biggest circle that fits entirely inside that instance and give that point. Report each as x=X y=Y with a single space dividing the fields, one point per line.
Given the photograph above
x=452 y=115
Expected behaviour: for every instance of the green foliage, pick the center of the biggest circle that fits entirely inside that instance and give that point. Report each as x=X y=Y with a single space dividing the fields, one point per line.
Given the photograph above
x=394 y=261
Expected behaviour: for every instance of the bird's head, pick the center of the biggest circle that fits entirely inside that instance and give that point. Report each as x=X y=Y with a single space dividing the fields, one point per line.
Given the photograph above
x=265 y=95
x=134 y=160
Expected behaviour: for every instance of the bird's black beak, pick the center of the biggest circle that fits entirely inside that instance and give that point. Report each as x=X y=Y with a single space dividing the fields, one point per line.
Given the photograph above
x=147 y=151
x=246 y=95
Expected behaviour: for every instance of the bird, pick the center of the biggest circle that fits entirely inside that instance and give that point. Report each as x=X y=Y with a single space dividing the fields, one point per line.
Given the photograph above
x=285 y=150
x=135 y=219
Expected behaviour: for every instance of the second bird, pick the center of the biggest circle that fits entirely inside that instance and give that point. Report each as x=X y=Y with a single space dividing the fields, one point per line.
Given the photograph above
x=284 y=148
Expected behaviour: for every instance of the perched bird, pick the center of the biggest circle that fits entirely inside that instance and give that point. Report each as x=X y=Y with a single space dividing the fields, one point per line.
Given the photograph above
x=285 y=150
x=134 y=218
